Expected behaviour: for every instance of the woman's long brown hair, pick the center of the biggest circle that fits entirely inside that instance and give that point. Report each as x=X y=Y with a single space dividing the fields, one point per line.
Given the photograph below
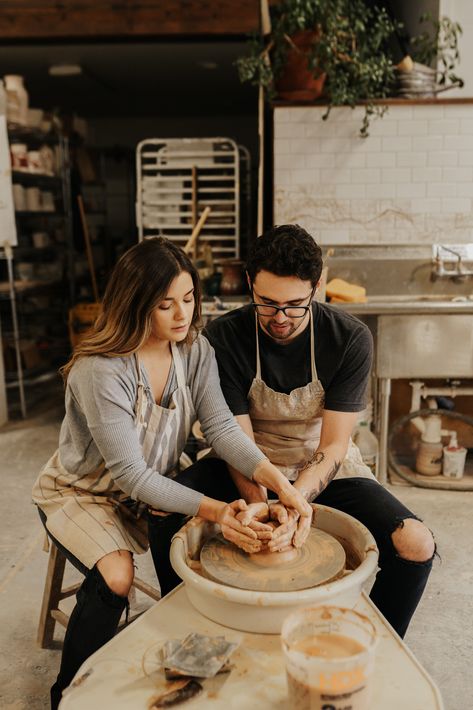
x=139 y=282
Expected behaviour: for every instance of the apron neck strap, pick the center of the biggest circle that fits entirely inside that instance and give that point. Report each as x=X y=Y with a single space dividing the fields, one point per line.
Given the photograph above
x=138 y=371
x=313 y=367
x=177 y=359
x=258 y=363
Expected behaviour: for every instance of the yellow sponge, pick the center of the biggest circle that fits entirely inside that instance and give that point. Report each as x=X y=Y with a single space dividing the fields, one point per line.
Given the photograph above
x=340 y=291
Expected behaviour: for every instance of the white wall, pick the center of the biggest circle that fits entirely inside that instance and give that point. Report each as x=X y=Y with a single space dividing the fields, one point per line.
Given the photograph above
x=409 y=182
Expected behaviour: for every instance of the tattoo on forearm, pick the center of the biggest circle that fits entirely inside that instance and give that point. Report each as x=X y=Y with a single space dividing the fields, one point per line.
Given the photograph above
x=316 y=458
x=311 y=495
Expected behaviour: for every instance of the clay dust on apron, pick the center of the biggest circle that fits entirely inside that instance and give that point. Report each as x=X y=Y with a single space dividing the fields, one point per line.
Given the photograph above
x=287 y=426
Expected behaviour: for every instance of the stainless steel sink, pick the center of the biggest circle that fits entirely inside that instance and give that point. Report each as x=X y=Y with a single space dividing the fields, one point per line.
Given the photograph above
x=409 y=303
x=419 y=298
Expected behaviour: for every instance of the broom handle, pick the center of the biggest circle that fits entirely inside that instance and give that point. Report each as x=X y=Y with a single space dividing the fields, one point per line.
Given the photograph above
x=90 y=257
x=195 y=232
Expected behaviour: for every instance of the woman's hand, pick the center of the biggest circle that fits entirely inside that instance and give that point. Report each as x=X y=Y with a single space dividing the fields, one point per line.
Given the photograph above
x=255 y=517
x=268 y=475
x=225 y=514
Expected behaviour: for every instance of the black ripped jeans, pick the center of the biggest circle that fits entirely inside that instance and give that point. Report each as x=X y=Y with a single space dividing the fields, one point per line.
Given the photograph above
x=93 y=622
x=399 y=584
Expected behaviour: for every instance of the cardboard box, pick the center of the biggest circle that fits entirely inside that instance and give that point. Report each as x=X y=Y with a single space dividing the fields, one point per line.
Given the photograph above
x=29 y=352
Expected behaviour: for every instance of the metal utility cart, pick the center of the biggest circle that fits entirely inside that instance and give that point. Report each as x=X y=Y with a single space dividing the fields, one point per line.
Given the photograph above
x=177 y=178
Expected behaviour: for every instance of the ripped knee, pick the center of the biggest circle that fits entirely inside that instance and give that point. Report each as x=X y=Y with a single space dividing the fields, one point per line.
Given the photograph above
x=117 y=571
x=413 y=541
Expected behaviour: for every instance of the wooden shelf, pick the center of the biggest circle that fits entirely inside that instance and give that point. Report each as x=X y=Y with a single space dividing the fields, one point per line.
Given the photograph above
x=23 y=286
x=391 y=101
x=31 y=133
x=39 y=213
x=24 y=177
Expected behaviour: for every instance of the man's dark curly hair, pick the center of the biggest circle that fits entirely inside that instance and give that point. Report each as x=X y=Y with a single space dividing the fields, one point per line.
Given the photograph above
x=287 y=250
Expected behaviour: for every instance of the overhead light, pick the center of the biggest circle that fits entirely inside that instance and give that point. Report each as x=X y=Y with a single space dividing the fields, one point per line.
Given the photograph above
x=65 y=70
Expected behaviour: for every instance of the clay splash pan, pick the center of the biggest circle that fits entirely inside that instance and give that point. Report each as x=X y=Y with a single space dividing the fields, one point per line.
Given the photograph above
x=320 y=560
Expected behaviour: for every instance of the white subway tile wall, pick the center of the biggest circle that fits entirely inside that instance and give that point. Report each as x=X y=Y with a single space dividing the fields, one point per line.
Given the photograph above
x=410 y=181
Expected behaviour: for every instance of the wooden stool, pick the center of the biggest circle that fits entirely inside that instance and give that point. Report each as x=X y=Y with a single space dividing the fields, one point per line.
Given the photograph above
x=53 y=593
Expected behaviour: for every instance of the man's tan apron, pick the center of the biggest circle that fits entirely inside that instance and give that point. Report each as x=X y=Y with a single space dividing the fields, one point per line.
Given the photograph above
x=91 y=516
x=287 y=426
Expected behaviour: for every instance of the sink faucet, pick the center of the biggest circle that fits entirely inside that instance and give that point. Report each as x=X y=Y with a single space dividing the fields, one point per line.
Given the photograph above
x=457 y=272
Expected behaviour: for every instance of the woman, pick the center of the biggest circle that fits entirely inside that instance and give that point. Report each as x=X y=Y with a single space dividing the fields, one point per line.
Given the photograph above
x=134 y=387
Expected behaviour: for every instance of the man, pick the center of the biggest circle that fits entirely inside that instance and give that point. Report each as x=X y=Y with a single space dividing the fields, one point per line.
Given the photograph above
x=294 y=373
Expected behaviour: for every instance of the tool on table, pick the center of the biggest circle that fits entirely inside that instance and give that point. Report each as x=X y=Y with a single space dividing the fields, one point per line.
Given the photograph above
x=185 y=660
x=196 y=655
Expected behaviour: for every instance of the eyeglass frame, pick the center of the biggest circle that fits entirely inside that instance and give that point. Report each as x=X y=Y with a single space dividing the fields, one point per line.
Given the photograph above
x=283 y=308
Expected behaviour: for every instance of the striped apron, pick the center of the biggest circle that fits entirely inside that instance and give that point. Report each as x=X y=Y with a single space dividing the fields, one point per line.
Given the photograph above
x=287 y=426
x=91 y=516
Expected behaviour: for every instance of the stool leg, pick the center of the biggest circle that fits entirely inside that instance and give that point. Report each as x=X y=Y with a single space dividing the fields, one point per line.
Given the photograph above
x=51 y=597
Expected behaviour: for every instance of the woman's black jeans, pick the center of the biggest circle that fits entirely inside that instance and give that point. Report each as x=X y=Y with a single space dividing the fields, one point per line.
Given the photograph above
x=93 y=622
x=399 y=584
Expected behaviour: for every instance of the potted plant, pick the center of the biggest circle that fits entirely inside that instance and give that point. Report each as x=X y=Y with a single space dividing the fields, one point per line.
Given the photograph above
x=338 y=50
x=338 y=45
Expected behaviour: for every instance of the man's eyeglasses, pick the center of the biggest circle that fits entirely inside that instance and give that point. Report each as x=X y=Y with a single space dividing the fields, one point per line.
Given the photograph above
x=289 y=311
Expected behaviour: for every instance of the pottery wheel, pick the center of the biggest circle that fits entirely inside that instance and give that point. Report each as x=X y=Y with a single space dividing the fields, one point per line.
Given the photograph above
x=320 y=560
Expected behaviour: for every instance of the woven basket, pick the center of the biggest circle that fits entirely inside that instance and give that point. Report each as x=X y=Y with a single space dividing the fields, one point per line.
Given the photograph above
x=81 y=318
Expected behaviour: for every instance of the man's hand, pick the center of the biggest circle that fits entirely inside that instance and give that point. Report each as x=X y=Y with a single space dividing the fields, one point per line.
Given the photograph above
x=293 y=500
x=287 y=526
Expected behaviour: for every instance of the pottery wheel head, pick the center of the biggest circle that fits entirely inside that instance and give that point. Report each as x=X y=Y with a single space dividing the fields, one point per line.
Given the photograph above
x=320 y=560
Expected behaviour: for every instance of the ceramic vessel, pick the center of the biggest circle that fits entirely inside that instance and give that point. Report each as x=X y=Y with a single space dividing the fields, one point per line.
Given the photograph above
x=264 y=612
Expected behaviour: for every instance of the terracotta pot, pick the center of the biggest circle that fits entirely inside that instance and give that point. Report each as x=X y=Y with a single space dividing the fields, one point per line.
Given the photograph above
x=297 y=81
x=233 y=280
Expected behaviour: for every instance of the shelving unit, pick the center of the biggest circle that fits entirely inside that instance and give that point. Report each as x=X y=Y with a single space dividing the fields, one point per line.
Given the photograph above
x=37 y=285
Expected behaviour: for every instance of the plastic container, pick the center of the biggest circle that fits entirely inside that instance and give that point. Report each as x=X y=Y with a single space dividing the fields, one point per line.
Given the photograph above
x=454 y=457
x=329 y=653
x=17 y=100
x=368 y=445
x=429 y=458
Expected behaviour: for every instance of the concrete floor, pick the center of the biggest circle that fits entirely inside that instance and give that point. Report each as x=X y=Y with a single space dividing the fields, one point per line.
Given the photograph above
x=441 y=633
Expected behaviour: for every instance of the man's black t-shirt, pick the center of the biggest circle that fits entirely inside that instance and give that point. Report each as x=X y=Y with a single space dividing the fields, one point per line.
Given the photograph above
x=343 y=356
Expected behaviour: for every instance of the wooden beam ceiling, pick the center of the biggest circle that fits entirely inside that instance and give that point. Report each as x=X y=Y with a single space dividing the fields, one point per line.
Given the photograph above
x=118 y=19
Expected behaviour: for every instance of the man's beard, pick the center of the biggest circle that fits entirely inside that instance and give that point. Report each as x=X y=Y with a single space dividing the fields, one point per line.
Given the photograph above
x=284 y=335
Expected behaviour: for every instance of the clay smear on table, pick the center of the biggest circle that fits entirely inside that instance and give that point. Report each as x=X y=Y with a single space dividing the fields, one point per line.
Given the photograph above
x=320 y=560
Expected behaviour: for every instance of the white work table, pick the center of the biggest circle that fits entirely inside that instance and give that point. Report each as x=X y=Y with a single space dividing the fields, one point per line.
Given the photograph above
x=126 y=672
